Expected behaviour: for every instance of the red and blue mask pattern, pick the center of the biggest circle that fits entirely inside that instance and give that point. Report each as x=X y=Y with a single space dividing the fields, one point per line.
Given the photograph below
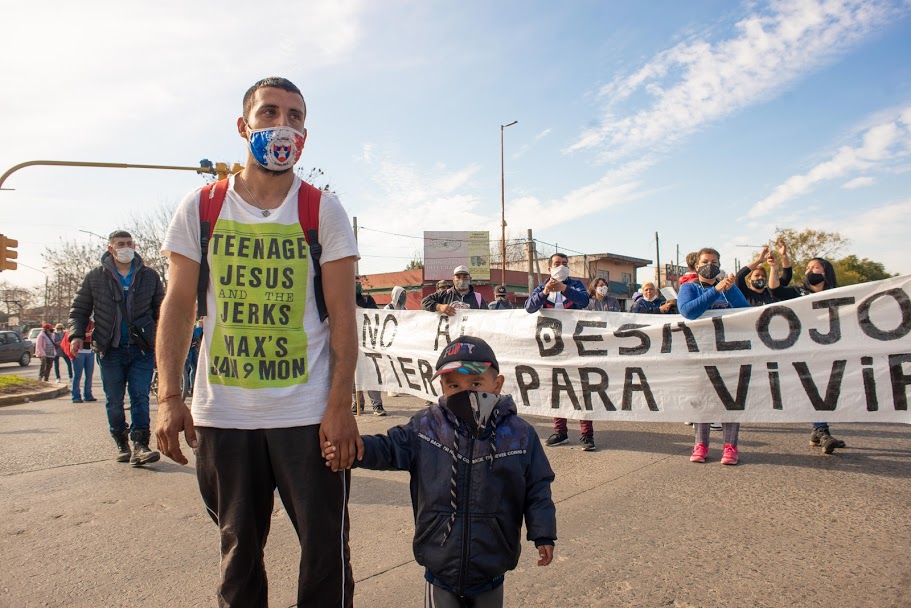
x=277 y=148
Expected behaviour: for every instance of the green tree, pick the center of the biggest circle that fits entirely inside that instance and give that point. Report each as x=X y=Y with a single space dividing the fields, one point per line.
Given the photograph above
x=851 y=270
x=416 y=263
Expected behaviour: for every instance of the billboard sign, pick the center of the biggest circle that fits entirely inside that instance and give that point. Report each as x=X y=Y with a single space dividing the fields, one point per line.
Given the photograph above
x=444 y=250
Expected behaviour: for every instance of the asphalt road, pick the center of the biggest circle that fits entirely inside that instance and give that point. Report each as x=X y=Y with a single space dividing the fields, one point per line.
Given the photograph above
x=639 y=525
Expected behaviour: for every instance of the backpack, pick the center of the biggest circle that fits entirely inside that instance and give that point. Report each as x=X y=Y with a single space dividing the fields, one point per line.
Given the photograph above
x=211 y=200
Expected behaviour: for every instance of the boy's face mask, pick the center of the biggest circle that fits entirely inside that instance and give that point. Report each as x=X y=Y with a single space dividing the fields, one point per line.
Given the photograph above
x=472 y=408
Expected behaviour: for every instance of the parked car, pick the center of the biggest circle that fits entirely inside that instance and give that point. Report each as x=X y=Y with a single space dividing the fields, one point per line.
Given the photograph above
x=33 y=334
x=13 y=349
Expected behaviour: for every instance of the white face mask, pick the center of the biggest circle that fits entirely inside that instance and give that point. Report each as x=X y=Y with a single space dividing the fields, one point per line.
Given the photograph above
x=124 y=255
x=650 y=299
x=461 y=284
x=560 y=273
x=601 y=290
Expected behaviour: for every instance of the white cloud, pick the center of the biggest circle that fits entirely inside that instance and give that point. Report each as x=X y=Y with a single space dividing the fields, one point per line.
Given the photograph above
x=877 y=233
x=878 y=145
x=858 y=182
x=699 y=81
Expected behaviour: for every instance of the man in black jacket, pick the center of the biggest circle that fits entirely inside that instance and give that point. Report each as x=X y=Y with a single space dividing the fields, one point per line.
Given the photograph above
x=122 y=284
x=461 y=295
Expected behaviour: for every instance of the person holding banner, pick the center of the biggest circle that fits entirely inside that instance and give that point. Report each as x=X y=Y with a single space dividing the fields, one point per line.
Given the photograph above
x=562 y=293
x=598 y=298
x=694 y=299
x=820 y=276
x=461 y=295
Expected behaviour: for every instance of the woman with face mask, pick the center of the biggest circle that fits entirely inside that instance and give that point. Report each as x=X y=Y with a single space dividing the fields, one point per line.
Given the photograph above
x=694 y=299
x=598 y=298
x=648 y=302
x=758 y=286
x=820 y=276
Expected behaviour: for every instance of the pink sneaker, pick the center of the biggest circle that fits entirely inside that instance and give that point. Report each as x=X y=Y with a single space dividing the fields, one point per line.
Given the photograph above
x=700 y=451
x=729 y=456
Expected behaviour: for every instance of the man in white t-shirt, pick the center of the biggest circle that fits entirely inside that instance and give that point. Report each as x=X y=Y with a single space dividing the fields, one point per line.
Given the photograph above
x=274 y=382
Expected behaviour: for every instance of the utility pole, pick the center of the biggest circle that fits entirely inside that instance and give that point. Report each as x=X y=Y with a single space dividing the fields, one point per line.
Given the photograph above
x=657 y=264
x=529 y=245
x=503 y=206
x=678 y=254
x=356 y=265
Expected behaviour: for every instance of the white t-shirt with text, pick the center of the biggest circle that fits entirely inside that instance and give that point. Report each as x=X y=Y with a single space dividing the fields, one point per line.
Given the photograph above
x=265 y=356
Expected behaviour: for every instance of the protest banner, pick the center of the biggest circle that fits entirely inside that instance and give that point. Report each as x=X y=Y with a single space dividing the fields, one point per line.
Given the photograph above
x=842 y=355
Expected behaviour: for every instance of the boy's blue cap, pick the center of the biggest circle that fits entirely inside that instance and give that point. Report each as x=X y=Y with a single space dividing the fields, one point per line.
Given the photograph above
x=467 y=355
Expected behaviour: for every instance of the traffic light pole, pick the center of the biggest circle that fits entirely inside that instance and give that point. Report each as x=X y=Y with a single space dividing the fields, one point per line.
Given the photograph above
x=217 y=170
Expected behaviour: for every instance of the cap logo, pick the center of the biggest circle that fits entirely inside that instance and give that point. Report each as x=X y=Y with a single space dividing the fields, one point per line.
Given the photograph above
x=459 y=347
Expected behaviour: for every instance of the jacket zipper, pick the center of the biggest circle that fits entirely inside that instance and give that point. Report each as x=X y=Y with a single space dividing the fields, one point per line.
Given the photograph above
x=466 y=526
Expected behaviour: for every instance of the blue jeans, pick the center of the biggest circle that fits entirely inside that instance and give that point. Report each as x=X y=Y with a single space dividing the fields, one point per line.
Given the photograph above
x=125 y=368
x=84 y=362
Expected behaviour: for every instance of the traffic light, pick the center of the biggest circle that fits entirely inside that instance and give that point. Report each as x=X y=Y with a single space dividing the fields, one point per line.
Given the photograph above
x=8 y=253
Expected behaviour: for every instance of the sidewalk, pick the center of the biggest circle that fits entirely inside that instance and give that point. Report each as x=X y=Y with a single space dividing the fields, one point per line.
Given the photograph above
x=638 y=524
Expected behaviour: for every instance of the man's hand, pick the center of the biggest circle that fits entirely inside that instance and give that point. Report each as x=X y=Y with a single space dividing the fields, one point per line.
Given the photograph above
x=773 y=261
x=174 y=416
x=446 y=309
x=339 y=430
x=726 y=283
x=554 y=285
x=546 y=553
x=782 y=249
x=76 y=345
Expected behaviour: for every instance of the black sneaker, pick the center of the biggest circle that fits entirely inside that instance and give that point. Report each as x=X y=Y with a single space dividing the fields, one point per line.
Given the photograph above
x=77 y=400
x=141 y=452
x=556 y=439
x=91 y=399
x=378 y=410
x=588 y=443
x=354 y=409
x=123 y=446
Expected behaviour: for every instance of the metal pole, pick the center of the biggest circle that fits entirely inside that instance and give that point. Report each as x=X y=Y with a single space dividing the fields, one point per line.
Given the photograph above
x=503 y=206
x=357 y=267
x=529 y=244
x=657 y=264
x=73 y=163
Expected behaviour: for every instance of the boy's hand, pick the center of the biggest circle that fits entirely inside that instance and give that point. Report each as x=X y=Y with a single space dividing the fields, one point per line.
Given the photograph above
x=546 y=553
x=329 y=453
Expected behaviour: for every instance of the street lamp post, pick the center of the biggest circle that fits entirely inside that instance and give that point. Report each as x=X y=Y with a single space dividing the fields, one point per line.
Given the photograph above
x=503 y=208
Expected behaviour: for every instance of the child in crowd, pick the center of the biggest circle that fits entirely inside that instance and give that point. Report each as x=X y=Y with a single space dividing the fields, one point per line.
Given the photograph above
x=476 y=470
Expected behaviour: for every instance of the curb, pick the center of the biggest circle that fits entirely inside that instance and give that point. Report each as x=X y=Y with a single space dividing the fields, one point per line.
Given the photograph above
x=52 y=393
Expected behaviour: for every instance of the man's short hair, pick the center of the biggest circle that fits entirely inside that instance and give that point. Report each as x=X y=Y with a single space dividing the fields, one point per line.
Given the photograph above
x=275 y=82
x=708 y=250
x=558 y=255
x=119 y=234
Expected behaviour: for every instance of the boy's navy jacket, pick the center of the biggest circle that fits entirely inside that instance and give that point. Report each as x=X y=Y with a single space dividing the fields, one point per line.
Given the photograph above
x=575 y=297
x=501 y=477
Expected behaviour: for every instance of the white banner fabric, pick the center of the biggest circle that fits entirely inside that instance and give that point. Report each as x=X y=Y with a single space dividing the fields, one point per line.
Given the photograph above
x=842 y=355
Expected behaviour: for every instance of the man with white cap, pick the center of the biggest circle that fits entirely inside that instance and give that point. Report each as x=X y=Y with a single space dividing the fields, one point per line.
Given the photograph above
x=460 y=295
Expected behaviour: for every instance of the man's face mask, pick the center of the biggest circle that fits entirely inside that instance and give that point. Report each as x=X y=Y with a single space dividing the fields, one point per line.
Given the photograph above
x=462 y=283
x=276 y=148
x=358 y=288
x=758 y=283
x=560 y=273
x=124 y=255
x=473 y=408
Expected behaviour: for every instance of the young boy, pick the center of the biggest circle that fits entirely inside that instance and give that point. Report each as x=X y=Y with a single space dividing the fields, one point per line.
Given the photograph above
x=476 y=470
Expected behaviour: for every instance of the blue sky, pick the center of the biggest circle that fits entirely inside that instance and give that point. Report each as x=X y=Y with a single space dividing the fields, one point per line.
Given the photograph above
x=709 y=122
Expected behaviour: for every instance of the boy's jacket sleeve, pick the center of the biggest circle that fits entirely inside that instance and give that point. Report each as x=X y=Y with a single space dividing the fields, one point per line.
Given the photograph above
x=393 y=451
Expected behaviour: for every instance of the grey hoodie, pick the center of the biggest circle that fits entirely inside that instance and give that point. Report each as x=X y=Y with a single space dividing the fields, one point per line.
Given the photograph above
x=396 y=294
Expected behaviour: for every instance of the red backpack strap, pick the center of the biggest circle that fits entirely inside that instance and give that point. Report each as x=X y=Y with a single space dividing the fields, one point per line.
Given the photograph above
x=308 y=200
x=211 y=200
